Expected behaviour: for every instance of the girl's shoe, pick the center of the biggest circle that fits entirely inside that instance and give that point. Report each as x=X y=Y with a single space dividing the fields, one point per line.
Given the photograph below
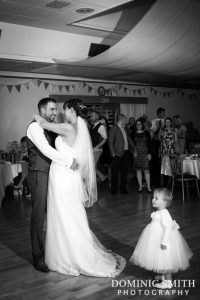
x=139 y=190
x=159 y=277
x=165 y=284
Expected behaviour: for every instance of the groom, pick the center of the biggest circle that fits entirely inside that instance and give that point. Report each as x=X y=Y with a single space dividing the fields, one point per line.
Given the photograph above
x=40 y=143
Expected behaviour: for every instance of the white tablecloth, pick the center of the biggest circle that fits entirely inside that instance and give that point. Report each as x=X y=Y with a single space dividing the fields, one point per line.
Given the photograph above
x=192 y=166
x=7 y=173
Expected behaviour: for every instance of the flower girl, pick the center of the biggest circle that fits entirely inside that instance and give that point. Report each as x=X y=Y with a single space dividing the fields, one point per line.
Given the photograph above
x=161 y=247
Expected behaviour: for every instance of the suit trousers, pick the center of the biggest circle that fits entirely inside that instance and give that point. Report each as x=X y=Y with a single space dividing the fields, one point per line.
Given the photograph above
x=38 y=184
x=120 y=166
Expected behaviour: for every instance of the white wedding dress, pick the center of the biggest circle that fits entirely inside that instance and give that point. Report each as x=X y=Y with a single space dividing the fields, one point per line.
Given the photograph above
x=71 y=247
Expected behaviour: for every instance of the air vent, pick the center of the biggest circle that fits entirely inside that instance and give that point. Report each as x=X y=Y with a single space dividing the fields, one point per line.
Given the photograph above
x=57 y=4
x=84 y=10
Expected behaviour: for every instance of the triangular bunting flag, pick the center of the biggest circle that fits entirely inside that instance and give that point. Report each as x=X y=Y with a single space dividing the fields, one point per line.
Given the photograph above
x=60 y=87
x=89 y=89
x=39 y=82
x=107 y=91
x=84 y=84
x=67 y=88
x=73 y=86
x=18 y=87
x=134 y=91
x=10 y=87
x=139 y=92
x=46 y=84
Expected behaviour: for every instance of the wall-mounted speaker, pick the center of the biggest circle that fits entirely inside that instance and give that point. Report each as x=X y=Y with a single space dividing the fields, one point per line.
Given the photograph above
x=96 y=49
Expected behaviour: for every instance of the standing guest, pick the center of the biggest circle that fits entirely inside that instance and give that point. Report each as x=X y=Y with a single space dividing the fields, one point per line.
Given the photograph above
x=157 y=125
x=119 y=142
x=161 y=247
x=142 y=140
x=181 y=134
x=147 y=123
x=105 y=158
x=131 y=126
x=98 y=137
x=167 y=138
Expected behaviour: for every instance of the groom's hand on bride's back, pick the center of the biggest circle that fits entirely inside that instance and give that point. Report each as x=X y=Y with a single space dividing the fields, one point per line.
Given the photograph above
x=74 y=165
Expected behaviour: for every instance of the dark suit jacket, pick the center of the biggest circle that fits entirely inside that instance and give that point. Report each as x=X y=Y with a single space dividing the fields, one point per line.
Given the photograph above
x=116 y=141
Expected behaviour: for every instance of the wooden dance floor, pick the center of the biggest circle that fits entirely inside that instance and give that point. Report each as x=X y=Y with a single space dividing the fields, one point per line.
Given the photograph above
x=117 y=221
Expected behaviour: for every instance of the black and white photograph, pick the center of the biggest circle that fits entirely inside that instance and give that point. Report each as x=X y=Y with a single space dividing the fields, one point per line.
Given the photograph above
x=99 y=149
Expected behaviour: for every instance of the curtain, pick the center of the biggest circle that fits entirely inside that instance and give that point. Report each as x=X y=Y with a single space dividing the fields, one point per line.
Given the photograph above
x=132 y=110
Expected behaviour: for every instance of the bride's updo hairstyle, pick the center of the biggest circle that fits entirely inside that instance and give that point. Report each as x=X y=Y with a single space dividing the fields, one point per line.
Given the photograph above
x=77 y=105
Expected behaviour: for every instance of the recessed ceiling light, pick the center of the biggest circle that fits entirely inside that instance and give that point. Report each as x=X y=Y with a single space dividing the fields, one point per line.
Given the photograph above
x=84 y=10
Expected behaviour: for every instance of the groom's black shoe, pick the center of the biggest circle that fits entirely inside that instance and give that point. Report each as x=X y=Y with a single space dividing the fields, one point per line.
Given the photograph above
x=40 y=264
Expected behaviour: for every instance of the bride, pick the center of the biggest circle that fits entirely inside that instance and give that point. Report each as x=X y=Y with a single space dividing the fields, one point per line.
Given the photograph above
x=71 y=247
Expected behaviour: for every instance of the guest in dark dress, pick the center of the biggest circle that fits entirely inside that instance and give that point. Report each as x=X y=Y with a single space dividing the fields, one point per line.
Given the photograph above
x=131 y=126
x=168 y=138
x=142 y=141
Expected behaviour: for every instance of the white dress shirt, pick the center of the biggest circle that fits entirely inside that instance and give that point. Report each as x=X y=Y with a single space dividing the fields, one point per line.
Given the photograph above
x=36 y=134
x=101 y=130
x=155 y=123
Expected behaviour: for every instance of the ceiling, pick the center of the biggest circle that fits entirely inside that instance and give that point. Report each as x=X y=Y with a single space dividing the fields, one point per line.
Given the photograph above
x=153 y=42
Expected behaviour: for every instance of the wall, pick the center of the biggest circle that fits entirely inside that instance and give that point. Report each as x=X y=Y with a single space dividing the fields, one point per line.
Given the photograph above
x=17 y=108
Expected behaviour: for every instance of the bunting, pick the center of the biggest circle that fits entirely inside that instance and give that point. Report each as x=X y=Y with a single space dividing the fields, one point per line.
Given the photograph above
x=46 y=85
x=60 y=87
x=18 y=87
x=113 y=90
x=10 y=87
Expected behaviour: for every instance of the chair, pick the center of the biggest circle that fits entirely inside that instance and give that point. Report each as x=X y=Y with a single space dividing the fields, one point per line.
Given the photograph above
x=182 y=178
